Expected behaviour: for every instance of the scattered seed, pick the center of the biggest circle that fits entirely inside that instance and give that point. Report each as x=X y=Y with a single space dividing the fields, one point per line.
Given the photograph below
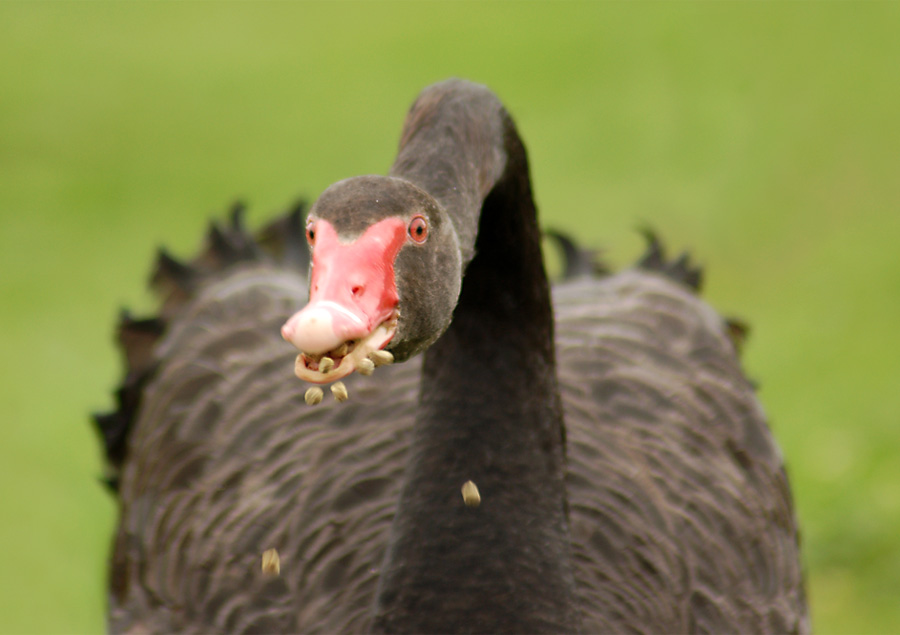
x=381 y=358
x=342 y=350
x=313 y=396
x=271 y=562
x=326 y=364
x=339 y=390
x=470 y=494
x=365 y=366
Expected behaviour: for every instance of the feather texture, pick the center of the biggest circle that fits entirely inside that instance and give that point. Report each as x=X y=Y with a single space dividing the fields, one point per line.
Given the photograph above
x=626 y=478
x=680 y=511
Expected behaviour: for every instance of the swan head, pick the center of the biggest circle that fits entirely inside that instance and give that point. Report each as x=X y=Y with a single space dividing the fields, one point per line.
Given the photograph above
x=386 y=274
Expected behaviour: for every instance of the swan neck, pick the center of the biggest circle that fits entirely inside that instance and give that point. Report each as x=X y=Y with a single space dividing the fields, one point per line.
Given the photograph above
x=489 y=412
x=452 y=146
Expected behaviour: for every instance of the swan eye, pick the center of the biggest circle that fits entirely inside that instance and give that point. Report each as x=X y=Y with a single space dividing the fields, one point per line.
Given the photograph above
x=418 y=229
x=311 y=232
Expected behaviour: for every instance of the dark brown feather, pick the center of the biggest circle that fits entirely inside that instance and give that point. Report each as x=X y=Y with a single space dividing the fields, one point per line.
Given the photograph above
x=679 y=507
x=658 y=502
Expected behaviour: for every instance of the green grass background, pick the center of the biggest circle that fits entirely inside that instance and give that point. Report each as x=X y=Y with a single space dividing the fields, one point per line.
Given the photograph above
x=762 y=136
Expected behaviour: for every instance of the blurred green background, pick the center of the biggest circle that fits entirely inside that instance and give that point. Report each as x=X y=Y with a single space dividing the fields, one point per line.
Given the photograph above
x=764 y=137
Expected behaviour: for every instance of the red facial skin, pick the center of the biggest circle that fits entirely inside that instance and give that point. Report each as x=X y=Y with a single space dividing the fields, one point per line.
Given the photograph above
x=359 y=275
x=352 y=292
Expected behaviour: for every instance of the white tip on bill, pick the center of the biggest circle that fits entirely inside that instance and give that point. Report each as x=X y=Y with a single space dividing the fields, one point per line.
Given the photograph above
x=312 y=330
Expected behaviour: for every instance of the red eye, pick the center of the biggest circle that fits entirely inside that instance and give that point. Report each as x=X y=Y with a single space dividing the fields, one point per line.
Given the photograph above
x=418 y=229
x=311 y=231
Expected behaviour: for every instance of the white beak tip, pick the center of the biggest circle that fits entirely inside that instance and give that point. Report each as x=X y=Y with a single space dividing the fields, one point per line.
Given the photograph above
x=311 y=330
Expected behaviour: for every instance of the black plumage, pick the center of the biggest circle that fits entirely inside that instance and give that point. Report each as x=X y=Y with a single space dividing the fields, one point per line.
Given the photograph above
x=629 y=481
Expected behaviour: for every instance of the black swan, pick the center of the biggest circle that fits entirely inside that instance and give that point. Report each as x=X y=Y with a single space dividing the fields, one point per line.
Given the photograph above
x=627 y=479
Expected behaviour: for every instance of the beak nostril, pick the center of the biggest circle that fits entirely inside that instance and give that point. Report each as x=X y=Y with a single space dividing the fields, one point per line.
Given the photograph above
x=356 y=290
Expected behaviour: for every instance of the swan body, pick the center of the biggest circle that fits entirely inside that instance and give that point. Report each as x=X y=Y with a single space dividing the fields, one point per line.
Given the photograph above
x=627 y=478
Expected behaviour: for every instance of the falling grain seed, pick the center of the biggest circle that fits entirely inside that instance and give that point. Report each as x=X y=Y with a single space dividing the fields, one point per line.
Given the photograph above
x=365 y=366
x=381 y=358
x=271 y=563
x=339 y=390
x=326 y=364
x=470 y=494
x=313 y=396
